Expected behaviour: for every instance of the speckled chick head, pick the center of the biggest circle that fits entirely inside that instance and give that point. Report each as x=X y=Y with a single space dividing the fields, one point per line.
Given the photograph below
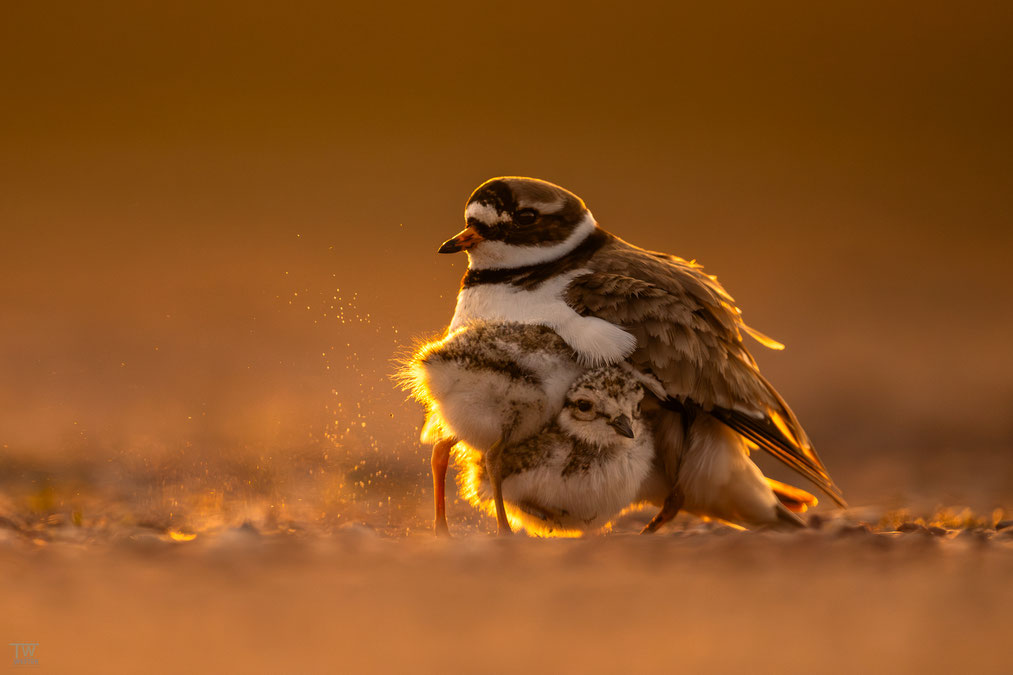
x=602 y=406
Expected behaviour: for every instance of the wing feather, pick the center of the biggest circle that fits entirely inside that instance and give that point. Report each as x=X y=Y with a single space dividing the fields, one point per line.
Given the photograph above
x=689 y=335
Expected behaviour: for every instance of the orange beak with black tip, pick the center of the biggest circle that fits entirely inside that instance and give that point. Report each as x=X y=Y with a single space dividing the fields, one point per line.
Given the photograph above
x=462 y=241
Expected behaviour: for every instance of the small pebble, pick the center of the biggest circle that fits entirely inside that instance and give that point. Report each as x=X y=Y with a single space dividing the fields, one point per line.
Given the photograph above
x=976 y=536
x=856 y=529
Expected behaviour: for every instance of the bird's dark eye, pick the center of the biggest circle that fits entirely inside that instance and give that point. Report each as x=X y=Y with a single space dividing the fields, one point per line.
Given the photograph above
x=584 y=405
x=526 y=216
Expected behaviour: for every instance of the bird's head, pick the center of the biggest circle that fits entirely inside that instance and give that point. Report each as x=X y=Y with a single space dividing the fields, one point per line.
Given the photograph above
x=513 y=222
x=602 y=406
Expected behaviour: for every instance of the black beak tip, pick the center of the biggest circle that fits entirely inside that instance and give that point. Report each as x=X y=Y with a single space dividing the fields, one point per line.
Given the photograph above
x=450 y=246
x=623 y=426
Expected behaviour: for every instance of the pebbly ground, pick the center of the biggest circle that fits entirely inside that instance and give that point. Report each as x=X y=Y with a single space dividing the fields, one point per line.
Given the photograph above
x=863 y=592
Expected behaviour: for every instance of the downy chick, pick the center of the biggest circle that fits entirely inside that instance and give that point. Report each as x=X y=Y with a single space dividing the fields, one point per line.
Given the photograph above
x=491 y=385
x=583 y=469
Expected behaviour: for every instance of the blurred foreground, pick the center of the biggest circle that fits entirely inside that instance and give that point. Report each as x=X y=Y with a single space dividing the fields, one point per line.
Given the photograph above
x=837 y=600
x=305 y=566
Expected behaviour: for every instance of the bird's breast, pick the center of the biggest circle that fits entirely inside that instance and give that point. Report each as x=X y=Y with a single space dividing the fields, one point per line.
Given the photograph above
x=506 y=302
x=595 y=341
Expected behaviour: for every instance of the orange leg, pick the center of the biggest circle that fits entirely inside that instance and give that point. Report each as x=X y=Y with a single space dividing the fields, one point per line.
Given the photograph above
x=670 y=509
x=440 y=462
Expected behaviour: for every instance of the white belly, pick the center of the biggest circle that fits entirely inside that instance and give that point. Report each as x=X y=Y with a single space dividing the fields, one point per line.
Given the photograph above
x=581 y=502
x=596 y=341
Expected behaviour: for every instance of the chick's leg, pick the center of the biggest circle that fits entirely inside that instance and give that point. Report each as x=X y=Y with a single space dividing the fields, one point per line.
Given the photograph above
x=440 y=462
x=494 y=467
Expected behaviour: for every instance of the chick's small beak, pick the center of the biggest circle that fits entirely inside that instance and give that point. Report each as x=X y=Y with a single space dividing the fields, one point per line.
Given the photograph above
x=623 y=426
x=462 y=241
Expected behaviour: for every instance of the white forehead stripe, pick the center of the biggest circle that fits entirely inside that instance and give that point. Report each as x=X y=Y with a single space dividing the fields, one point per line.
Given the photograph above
x=484 y=213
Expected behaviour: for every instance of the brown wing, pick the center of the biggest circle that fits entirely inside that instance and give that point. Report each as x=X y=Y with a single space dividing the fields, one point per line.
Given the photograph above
x=689 y=335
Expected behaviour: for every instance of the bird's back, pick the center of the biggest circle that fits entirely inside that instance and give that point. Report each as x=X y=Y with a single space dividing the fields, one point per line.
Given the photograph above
x=690 y=336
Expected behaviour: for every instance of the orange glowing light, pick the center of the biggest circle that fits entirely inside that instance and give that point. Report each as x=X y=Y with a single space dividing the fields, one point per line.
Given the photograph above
x=176 y=535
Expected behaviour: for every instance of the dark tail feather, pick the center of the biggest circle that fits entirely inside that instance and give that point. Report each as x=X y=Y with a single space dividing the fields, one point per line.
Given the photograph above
x=766 y=436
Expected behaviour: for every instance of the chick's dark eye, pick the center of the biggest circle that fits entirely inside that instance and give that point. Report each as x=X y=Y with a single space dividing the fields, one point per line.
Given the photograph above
x=526 y=216
x=584 y=405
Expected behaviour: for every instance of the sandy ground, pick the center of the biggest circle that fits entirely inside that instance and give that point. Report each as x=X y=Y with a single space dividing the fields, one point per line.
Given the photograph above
x=896 y=595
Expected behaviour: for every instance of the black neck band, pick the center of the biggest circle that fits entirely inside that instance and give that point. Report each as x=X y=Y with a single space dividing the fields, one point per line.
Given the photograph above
x=531 y=276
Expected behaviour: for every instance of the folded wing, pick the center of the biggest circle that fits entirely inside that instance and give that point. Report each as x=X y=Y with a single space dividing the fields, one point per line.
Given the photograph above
x=689 y=335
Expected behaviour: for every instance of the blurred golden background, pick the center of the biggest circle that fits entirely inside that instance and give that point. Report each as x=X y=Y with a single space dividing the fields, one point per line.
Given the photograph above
x=220 y=220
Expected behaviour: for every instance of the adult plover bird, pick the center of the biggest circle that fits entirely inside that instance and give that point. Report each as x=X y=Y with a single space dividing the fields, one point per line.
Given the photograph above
x=581 y=470
x=490 y=385
x=537 y=255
